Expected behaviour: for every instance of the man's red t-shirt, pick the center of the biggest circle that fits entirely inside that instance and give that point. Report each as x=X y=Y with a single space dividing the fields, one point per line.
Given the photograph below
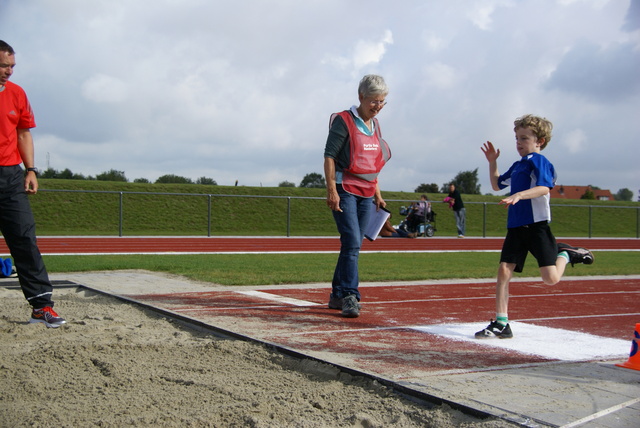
x=15 y=113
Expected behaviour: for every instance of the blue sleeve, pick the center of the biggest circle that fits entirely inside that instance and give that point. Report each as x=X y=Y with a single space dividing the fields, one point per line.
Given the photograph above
x=504 y=180
x=544 y=171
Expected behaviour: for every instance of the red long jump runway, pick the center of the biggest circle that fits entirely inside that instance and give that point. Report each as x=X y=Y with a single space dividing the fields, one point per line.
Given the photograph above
x=387 y=337
x=213 y=245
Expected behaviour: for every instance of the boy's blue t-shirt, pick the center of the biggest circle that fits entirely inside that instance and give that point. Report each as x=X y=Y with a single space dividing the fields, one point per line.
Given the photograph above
x=530 y=171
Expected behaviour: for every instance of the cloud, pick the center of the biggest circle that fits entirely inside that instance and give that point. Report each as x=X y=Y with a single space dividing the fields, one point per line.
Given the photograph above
x=480 y=12
x=632 y=20
x=575 y=141
x=101 y=88
x=367 y=52
x=606 y=74
x=441 y=76
x=434 y=43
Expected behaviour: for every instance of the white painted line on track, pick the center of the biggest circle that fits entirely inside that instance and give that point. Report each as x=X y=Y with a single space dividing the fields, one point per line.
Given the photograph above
x=195 y=253
x=513 y=296
x=573 y=317
x=277 y=298
x=601 y=413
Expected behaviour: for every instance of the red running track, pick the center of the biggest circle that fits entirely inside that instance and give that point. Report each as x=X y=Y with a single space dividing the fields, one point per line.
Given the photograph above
x=141 y=245
x=382 y=338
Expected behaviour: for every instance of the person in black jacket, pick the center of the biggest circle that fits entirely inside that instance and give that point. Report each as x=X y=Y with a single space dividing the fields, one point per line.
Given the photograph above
x=456 y=204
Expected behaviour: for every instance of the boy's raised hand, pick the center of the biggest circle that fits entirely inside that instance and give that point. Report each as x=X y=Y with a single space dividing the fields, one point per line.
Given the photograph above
x=490 y=152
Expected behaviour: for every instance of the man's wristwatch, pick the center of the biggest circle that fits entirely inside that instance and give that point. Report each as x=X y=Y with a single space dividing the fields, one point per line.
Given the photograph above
x=34 y=170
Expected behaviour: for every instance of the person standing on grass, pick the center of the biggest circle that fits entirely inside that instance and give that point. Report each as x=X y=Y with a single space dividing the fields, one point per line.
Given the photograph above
x=531 y=179
x=459 y=211
x=354 y=155
x=16 y=219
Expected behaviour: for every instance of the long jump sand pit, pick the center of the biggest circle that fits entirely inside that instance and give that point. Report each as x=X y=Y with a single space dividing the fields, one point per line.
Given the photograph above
x=115 y=364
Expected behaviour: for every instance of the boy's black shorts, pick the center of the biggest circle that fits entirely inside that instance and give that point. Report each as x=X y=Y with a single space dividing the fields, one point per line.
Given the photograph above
x=535 y=238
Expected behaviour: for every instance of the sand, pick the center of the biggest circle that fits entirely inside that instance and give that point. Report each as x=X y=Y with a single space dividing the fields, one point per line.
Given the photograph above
x=114 y=364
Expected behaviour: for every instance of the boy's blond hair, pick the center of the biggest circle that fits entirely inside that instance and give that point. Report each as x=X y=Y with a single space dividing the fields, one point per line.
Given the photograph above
x=540 y=126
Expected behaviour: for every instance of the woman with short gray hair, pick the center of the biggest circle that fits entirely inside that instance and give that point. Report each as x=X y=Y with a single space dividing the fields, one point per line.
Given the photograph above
x=354 y=155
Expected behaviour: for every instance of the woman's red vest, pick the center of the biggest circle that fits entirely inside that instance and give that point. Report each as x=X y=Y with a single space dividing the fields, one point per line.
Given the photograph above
x=368 y=154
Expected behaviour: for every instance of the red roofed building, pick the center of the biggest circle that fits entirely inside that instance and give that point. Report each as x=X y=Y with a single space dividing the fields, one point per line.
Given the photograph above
x=576 y=192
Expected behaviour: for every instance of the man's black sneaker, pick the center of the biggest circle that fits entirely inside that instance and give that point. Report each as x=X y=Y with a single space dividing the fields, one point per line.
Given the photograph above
x=350 y=307
x=576 y=254
x=495 y=329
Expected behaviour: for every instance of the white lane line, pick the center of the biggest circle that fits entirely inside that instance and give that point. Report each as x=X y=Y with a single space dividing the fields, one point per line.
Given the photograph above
x=186 y=253
x=601 y=413
x=571 y=317
x=277 y=298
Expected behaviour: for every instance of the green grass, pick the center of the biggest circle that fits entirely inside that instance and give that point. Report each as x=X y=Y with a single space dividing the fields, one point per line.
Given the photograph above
x=261 y=269
x=266 y=211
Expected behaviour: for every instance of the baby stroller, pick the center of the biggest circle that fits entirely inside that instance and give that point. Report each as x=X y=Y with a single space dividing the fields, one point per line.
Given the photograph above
x=422 y=224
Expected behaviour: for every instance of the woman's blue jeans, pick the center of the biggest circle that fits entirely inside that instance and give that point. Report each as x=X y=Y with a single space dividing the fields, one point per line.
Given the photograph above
x=351 y=222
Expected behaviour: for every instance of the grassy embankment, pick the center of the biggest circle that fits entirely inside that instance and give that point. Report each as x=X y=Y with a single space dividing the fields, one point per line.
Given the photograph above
x=185 y=212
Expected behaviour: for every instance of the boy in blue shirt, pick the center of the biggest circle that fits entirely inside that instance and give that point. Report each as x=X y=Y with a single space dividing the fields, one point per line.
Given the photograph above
x=531 y=179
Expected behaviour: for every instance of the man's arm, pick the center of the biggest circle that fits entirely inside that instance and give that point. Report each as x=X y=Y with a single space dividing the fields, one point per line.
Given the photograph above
x=25 y=147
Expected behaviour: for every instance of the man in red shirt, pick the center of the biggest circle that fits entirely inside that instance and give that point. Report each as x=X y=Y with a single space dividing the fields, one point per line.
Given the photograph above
x=16 y=219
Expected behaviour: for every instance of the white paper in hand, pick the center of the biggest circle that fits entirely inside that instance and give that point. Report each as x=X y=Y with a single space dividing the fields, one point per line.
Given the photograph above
x=376 y=221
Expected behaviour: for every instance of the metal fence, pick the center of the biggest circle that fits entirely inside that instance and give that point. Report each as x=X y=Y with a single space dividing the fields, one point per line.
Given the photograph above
x=148 y=213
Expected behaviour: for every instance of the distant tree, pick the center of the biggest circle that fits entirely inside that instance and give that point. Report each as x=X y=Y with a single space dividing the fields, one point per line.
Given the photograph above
x=286 y=184
x=76 y=176
x=427 y=188
x=49 y=173
x=588 y=194
x=65 y=175
x=171 y=178
x=207 y=181
x=465 y=181
x=313 y=180
x=112 y=175
x=141 y=180
x=624 y=195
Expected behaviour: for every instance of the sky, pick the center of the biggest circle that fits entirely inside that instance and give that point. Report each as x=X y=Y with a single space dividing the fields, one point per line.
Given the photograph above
x=244 y=90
